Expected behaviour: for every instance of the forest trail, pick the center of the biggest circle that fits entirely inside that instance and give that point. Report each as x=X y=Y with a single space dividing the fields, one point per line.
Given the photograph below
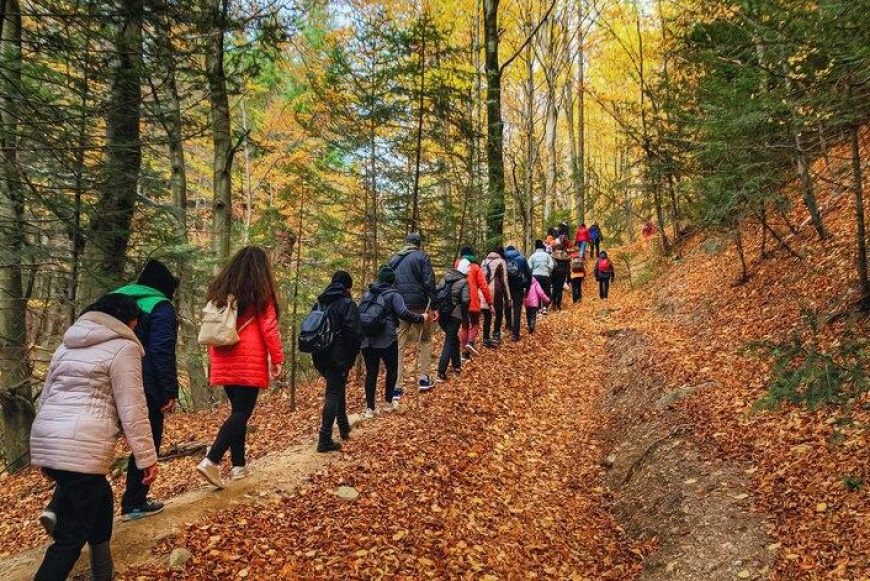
x=496 y=475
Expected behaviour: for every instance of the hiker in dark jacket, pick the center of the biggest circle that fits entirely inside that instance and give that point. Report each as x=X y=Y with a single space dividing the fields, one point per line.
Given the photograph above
x=415 y=281
x=595 y=239
x=450 y=322
x=560 y=273
x=519 y=283
x=384 y=346
x=335 y=362
x=604 y=274
x=157 y=330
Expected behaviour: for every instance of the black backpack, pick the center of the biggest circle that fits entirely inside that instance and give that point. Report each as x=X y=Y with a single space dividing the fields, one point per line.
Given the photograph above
x=516 y=275
x=316 y=333
x=443 y=302
x=373 y=313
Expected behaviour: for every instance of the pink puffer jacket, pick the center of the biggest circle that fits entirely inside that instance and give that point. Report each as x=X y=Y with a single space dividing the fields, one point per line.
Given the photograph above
x=536 y=296
x=94 y=384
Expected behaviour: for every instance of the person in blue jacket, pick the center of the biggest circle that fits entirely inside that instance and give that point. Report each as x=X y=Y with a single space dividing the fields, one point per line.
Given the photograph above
x=519 y=280
x=595 y=239
x=157 y=330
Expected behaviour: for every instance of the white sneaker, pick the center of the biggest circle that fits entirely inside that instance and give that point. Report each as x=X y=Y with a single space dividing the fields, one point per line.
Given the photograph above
x=239 y=472
x=211 y=472
x=370 y=414
x=395 y=405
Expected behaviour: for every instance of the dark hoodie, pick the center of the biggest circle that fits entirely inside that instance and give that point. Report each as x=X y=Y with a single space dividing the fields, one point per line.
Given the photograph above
x=344 y=319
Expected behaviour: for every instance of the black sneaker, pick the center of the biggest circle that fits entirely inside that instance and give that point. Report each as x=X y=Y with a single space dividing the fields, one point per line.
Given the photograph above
x=442 y=377
x=150 y=508
x=330 y=446
x=345 y=435
x=48 y=520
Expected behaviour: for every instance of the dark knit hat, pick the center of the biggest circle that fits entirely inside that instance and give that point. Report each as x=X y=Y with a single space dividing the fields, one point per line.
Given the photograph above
x=343 y=278
x=466 y=251
x=157 y=276
x=414 y=238
x=539 y=243
x=387 y=274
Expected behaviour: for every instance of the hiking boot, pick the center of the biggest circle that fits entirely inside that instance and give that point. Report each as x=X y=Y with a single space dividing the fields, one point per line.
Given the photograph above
x=330 y=446
x=48 y=520
x=442 y=377
x=515 y=338
x=489 y=344
x=240 y=472
x=211 y=472
x=345 y=434
x=369 y=414
x=457 y=370
x=426 y=383
x=466 y=356
x=496 y=338
x=150 y=508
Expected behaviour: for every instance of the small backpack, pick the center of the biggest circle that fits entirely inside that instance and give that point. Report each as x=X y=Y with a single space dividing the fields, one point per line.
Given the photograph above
x=218 y=328
x=373 y=314
x=443 y=302
x=316 y=333
x=604 y=267
x=576 y=264
x=515 y=273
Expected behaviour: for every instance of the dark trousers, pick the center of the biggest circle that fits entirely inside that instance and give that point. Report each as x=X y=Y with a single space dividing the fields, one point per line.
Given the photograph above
x=516 y=311
x=136 y=493
x=84 y=507
x=577 y=289
x=450 y=351
x=603 y=288
x=531 y=318
x=496 y=315
x=595 y=247
x=234 y=429
x=558 y=289
x=334 y=403
x=545 y=283
x=373 y=357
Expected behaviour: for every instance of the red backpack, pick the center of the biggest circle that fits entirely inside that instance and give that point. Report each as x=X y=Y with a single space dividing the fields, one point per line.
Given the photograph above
x=603 y=266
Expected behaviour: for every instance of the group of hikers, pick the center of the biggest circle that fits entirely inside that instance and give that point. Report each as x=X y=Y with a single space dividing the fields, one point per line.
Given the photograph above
x=116 y=371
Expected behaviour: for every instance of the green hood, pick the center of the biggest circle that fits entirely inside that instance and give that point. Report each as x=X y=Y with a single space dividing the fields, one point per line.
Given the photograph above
x=471 y=258
x=146 y=297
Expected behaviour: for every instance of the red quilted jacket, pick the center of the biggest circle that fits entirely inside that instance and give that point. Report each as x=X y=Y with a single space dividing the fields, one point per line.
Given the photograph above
x=247 y=362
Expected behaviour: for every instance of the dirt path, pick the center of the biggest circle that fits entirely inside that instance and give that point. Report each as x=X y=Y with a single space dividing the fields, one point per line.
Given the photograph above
x=274 y=476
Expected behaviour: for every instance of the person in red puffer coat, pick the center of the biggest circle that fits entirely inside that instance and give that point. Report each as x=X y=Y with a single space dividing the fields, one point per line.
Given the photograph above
x=245 y=368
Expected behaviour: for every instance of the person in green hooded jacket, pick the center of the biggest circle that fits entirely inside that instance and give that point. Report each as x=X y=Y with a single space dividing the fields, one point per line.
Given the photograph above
x=157 y=330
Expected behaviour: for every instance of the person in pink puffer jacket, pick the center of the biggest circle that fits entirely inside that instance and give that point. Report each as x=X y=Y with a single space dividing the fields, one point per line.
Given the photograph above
x=534 y=298
x=93 y=387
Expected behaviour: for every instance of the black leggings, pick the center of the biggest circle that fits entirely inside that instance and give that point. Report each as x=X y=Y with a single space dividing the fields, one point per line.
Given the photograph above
x=603 y=287
x=577 y=289
x=232 y=433
x=334 y=403
x=373 y=357
x=84 y=507
x=558 y=289
x=450 y=351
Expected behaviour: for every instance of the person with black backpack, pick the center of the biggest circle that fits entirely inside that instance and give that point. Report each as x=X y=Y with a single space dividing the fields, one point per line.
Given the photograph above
x=340 y=334
x=519 y=282
x=452 y=299
x=380 y=310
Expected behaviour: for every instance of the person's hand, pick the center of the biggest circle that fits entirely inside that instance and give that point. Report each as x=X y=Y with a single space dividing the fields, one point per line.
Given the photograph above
x=150 y=475
x=276 y=371
x=169 y=406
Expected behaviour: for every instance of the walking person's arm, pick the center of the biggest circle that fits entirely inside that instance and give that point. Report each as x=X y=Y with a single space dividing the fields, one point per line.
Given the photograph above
x=401 y=310
x=428 y=278
x=125 y=373
x=268 y=323
x=162 y=340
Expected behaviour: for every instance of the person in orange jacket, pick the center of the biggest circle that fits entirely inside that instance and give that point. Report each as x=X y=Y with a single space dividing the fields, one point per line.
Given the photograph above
x=480 y=298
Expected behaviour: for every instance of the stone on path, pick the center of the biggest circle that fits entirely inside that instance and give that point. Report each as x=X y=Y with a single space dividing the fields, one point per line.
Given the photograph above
x=179 y=557
x=348 y=493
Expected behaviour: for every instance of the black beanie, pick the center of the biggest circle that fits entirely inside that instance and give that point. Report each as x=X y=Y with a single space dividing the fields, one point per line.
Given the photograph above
x=387 y=274
x=343 y=278
x=157 y=276
x=466 y=251
x=539 y=243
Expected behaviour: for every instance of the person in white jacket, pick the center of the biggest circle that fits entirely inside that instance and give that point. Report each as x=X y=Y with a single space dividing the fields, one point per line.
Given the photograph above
x=542 y=265
x=93 y=387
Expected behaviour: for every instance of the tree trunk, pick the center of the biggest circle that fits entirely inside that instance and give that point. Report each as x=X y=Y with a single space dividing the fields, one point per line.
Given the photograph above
x=15 y=386
x=807 y=186
x=531 y=148
x=580 y=160
x=415 y=195
x=222 y=164
x=249 y=194
x=113 y=215
x=495 y=126
x=861 y=234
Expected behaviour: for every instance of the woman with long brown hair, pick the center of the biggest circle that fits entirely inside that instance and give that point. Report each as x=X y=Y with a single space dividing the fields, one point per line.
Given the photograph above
x=243 y=369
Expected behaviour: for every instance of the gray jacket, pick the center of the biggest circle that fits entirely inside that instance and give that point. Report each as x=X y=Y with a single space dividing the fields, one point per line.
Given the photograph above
x=397 y=310
x=93 y=388
x=459 y=291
